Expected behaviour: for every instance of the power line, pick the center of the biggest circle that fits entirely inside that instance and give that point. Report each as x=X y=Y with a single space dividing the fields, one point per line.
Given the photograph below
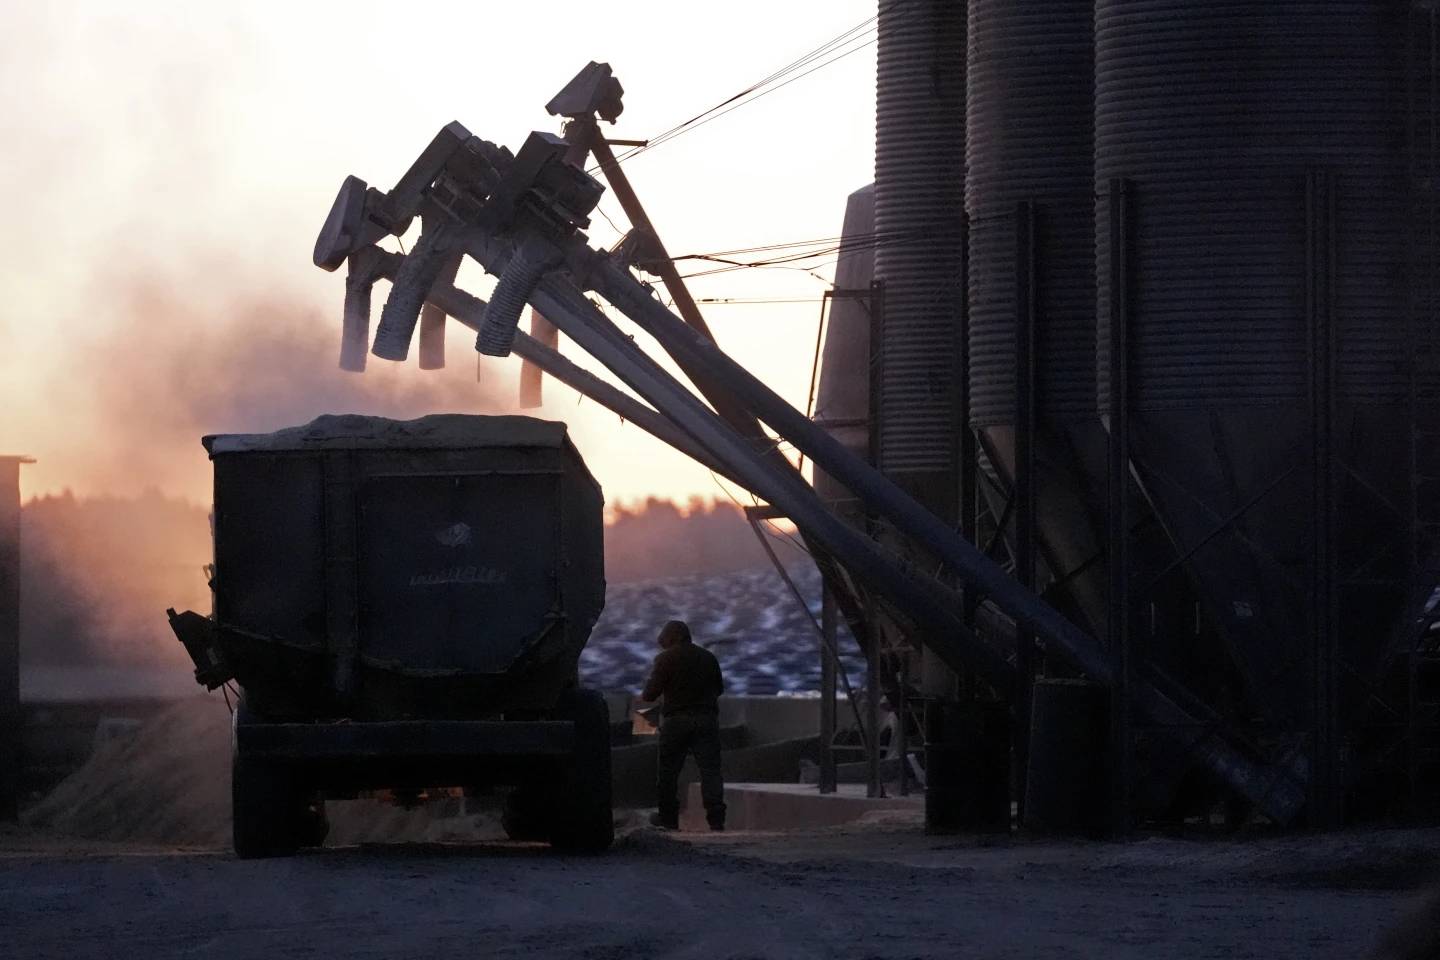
x=777 y=75
x=821 y=246
x=764 y=93
x=796 y=64
x=797 y=249
x=788 y=68
x=763 y=248
x=837 y=46
x=750 y=301
x=601 y=210
x=790 y=260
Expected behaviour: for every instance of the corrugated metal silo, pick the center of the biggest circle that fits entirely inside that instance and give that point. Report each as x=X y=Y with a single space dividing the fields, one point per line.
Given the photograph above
x=842 y=402
x=919 y=204
x=1030 y=139
x=1263 y=145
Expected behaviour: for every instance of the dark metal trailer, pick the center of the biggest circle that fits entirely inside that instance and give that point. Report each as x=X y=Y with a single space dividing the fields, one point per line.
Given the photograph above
x=403 y=604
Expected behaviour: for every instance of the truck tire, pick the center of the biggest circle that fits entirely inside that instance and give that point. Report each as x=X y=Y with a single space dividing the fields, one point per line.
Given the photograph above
x=312 y=822
x=263 y=810
x=584 y=819
x=264 y=803
x=527 y=815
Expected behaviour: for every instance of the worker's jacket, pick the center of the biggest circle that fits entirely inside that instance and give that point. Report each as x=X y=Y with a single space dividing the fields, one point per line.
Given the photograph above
x=687 y=677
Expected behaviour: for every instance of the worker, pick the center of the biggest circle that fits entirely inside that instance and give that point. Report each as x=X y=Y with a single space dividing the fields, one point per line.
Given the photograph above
x=686 y=680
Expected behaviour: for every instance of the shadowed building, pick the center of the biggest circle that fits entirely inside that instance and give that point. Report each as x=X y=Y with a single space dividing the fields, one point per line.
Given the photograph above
x=10 y=634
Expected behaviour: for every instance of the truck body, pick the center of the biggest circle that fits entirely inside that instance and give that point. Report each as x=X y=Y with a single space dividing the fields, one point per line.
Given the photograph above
x=403 y=605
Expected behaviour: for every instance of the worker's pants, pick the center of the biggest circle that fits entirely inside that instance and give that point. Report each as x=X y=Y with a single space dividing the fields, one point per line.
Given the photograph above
x=690 y=733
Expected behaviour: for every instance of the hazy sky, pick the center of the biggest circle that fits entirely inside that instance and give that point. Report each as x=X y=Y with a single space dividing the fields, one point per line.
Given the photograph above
x=167 y=165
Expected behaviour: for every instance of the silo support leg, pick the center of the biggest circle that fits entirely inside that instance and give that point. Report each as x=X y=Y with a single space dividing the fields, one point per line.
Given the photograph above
x=1118 y=451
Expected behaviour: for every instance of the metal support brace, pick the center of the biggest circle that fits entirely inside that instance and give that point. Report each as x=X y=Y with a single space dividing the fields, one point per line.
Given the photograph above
x=1320 y=206
x=828 y=669
x=752 y=514
x=1118 y=612
x=1025 y=423
x=1422 y=64
x=969 y=452
x=902 y=720
x=874 y=787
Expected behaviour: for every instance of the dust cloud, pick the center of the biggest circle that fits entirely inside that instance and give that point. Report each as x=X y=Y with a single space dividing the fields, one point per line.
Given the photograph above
x=659 y=538
x=97 y=574
x=179 y=367
x=99 y=571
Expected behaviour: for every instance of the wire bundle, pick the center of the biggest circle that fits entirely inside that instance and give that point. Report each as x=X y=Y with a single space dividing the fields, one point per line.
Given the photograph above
x=857 y=38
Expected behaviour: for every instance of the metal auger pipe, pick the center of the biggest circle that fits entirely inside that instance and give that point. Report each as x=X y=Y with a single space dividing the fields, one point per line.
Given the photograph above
x=527 y=265
x=432 y=320
x=923 y=598
x=693 y=428
x=468 y=311
x=1280 y=793
x=355 y=332
x=412 y=283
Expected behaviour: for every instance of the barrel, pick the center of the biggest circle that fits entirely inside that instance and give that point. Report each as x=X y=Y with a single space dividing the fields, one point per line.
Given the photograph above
x=967 y=767
x=1065 y=783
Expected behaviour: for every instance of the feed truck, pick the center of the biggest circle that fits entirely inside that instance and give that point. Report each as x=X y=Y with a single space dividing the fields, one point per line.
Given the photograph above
x=403 y=605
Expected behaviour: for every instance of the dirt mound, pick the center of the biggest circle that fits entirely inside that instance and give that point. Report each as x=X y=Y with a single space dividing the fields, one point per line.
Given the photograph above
x=169 y=783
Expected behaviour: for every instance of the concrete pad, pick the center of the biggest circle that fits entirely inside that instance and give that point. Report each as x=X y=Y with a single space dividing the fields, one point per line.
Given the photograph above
x=633 y=766
x=791 y=806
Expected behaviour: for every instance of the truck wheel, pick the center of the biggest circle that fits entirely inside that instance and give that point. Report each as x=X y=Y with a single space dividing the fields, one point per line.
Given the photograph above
x=264 y=812
x=312 y=822
x=584 y=821
x=526 y=815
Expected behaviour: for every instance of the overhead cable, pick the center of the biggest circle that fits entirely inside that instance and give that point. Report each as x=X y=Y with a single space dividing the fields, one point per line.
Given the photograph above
x=857 y=38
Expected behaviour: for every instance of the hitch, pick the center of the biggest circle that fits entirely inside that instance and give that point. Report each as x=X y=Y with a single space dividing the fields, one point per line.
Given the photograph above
x=197 y=634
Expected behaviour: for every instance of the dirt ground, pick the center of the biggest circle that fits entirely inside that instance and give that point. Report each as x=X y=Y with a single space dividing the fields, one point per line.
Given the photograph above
x=881 y=889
